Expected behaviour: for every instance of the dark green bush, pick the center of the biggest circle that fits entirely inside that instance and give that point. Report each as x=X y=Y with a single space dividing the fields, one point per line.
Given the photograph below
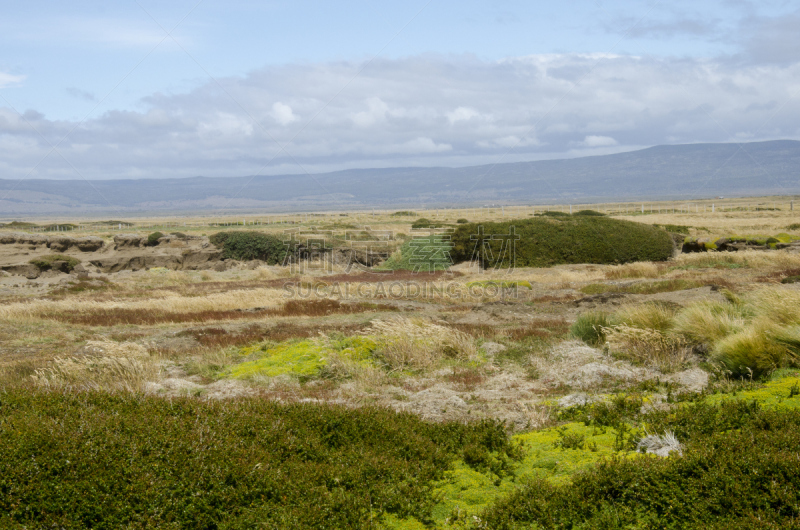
x=152 y=239
x=739 y=470
x=404 y=213
x=543 y=242
x=94 y=460
x=462 y=221
x=793 y=226
x=427 y=223
x=590 y=213
x=45 y=263
x=247 y=246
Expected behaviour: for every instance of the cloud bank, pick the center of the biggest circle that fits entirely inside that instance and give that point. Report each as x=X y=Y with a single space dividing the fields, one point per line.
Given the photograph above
x=418 y=111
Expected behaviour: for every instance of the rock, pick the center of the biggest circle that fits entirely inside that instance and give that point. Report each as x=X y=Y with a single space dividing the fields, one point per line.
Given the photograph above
x=8 y=238
x=693 y=379
x=493 y=348
x=59 y=243
x=127 y=241
x=31 y=272
x=199 y=259
x=89 y=243
x=574 y=400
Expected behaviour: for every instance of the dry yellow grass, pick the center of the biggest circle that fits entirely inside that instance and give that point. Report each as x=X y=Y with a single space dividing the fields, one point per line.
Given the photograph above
x=106 y=365
x=754 y=259
x=419 y=344
x=160 y=300
x=633 y=270
x=649 y=347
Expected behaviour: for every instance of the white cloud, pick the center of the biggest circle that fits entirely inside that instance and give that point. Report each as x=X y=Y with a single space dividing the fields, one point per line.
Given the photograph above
x=599 y=141
x=416 y=111
x=10 y=79
x=283 y=113
x=376 y=113
x=462 y=114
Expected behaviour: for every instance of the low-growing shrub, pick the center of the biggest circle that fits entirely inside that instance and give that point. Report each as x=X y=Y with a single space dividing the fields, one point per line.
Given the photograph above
x=427 y=223
x=404 y=213
x=546 y=241
x=247 y=246
x=590 y=213
x=96 y=460
x=45 y=263
x=152 y=239
x=462 y=221
x=738 y=470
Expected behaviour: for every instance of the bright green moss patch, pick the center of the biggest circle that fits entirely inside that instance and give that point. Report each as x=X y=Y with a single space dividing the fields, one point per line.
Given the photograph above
x=782 y=392
x=304 y=358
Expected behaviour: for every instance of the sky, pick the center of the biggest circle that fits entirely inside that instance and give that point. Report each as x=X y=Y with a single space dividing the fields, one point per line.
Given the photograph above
x=146 y=89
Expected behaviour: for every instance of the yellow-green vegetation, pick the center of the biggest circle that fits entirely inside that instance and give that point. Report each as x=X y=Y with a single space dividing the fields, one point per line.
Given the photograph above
x=302 y=359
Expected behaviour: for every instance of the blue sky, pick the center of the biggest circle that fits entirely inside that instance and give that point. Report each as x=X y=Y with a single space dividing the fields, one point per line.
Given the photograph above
x=99 y=90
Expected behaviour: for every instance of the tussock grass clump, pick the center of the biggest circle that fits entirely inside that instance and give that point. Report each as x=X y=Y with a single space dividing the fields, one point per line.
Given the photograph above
x=707 y=322
x=590 y=326
x=651 y=315
x=418 y=344
x=546 y=241
x=649 y=347
x=752 y=352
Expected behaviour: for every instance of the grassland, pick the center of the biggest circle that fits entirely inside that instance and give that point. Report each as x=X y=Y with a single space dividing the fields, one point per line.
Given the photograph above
x=305 y=397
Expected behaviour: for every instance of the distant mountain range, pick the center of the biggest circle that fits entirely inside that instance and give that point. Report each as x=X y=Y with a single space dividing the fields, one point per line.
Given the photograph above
x=657 y=173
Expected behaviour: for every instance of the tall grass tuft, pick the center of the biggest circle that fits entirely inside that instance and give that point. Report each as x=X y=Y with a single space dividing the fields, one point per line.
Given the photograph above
x=418 y=344
x=108 y=366
x=590 y=326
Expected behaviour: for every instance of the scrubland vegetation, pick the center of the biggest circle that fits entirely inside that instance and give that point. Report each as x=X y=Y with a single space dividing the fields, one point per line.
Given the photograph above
x=626 y=387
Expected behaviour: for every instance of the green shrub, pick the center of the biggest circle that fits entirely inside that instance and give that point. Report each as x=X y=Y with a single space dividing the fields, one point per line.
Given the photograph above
x=543 y=242
x=588 y=327
x=739 y=470
x=152 y=239
x=96 y=460
x=45 y=263
x=462 y=221
x=421 y=254
x=247 y=246
x=404 y=213
x=590 y=213
x=793 y=226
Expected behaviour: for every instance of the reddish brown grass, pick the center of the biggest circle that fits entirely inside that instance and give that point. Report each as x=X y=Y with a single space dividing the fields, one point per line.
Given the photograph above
x=293 y=308
x=540 y=329
x=466 y=378
x=777 y=276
